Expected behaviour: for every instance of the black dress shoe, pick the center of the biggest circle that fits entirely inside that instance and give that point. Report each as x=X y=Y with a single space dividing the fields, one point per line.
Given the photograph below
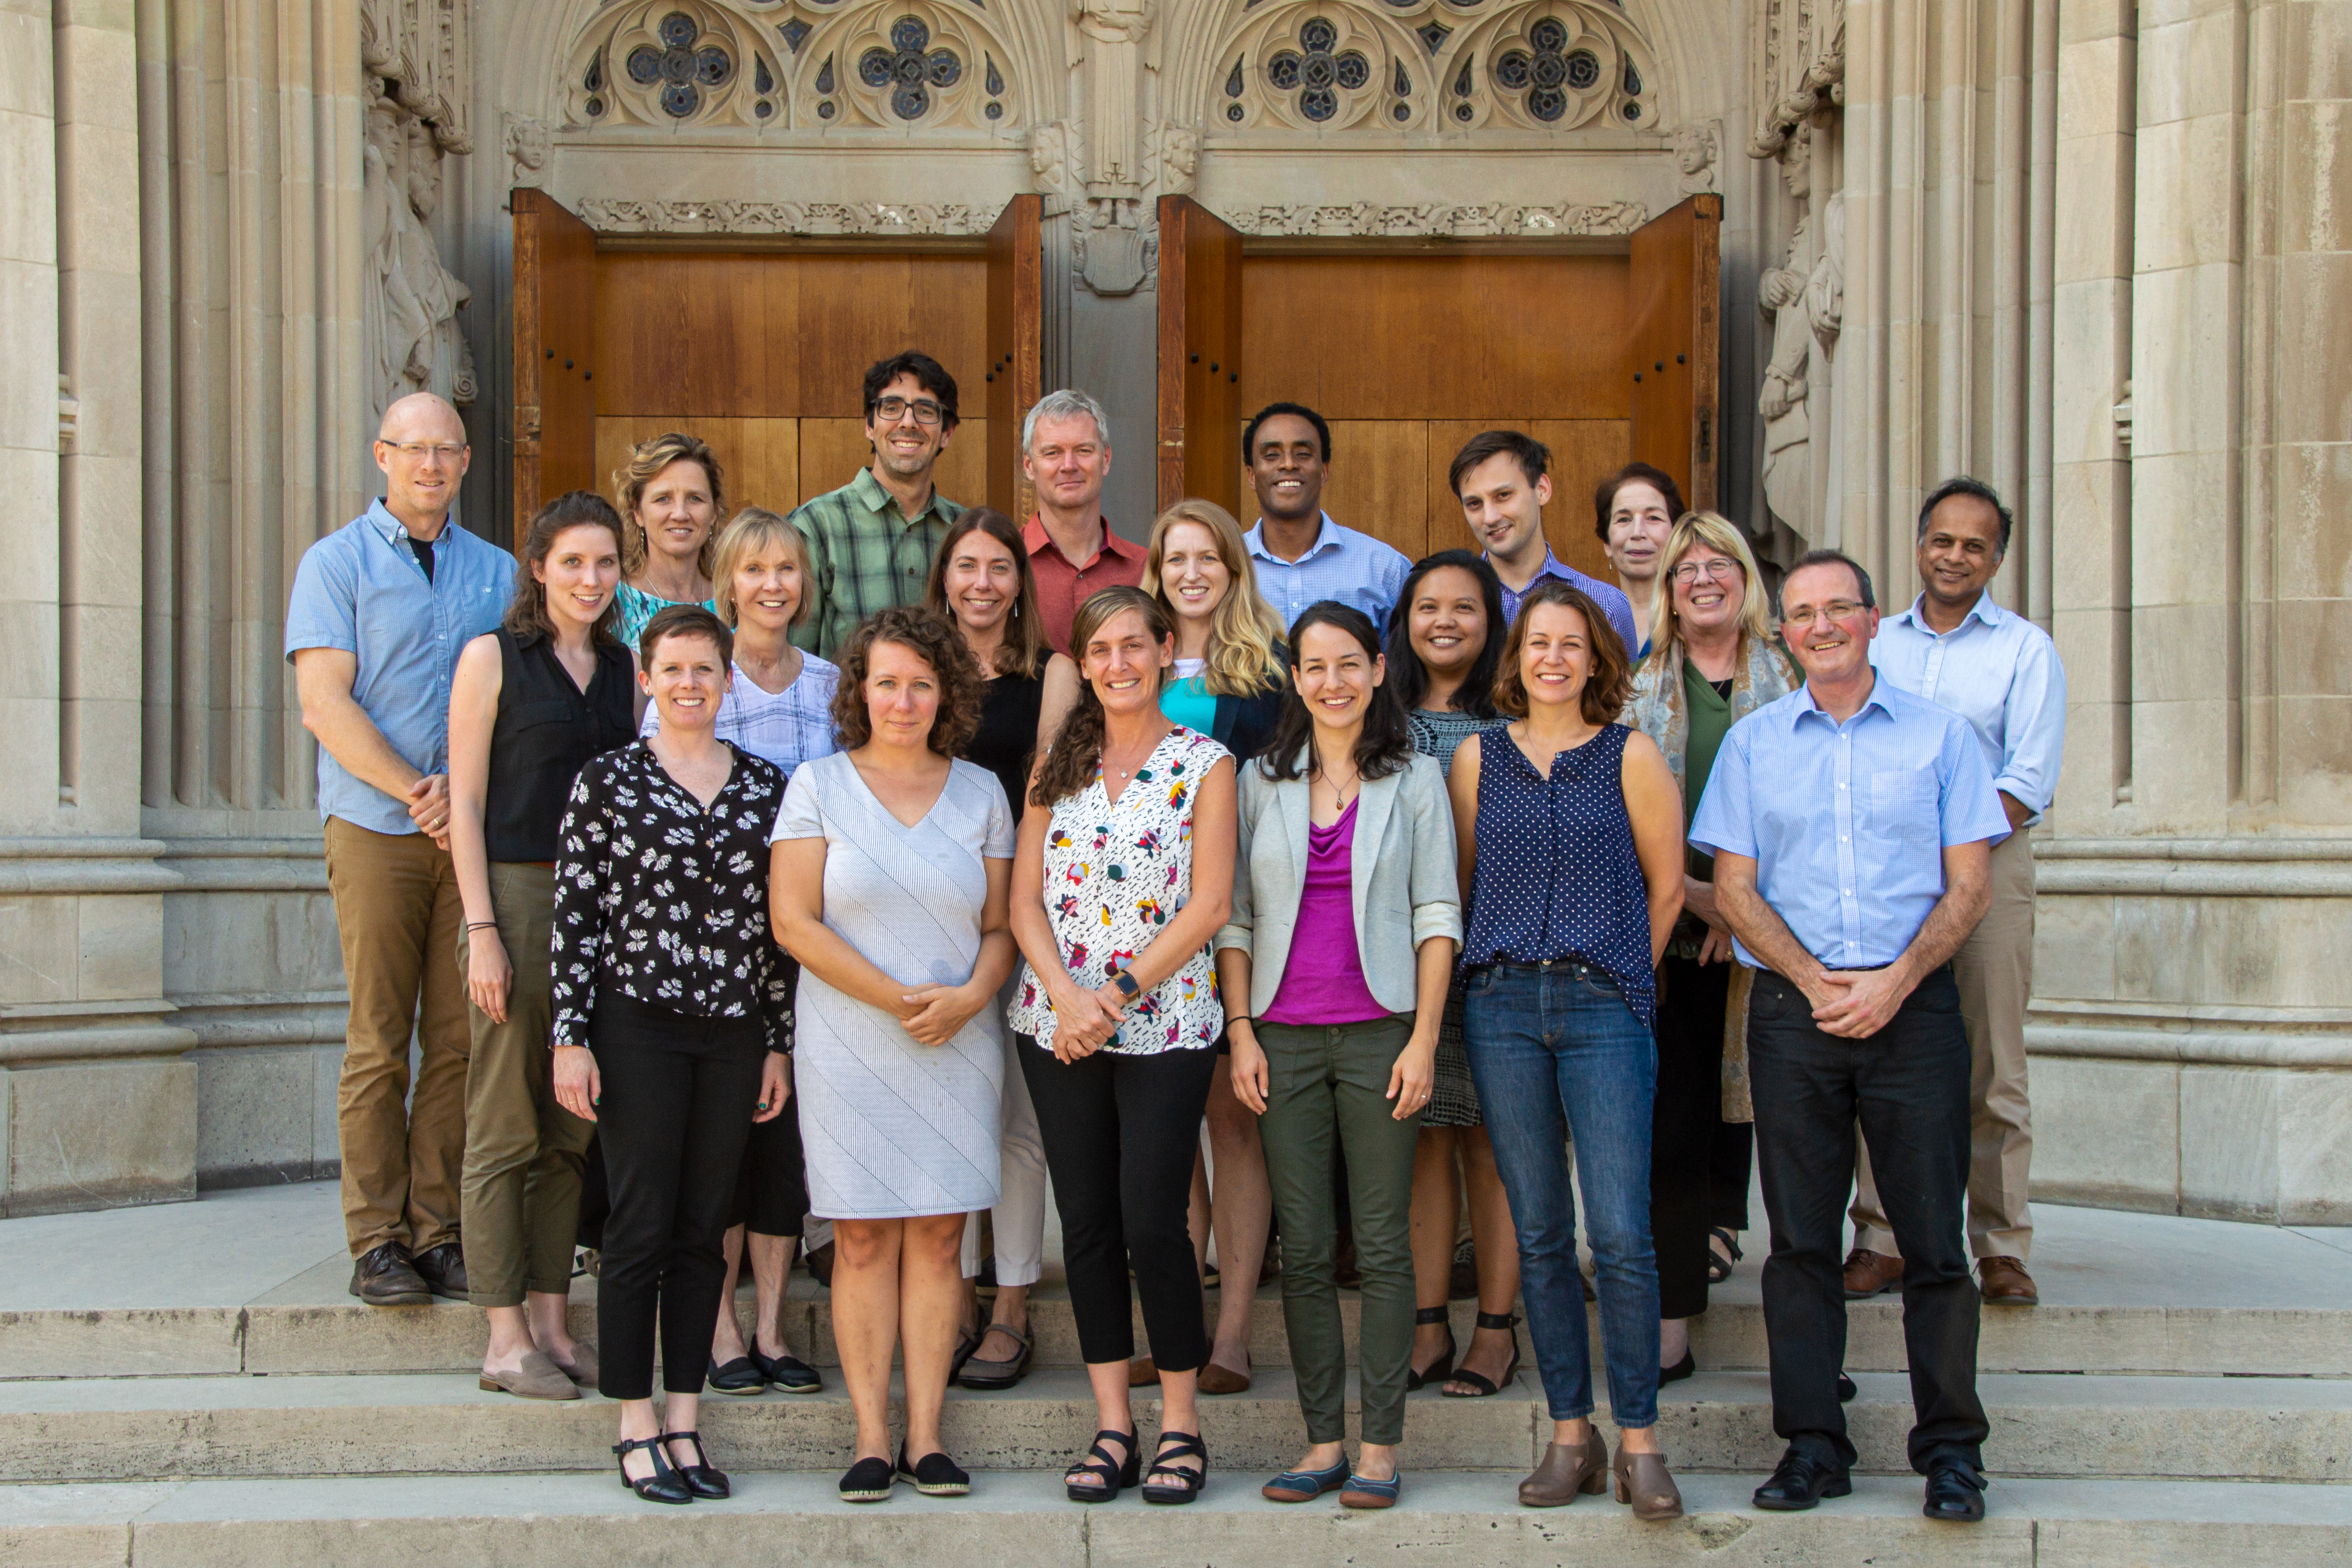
x=386 y=1276
x=1679 y=1371
x=1955 y=1492
x=1846 y=1389
x=1801 y=1482
x=701 y=1477
x=443 y=1271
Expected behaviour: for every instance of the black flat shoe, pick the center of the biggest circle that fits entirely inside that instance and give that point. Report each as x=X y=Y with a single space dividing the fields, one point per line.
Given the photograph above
x=665 y=1485
x=935 y=1475
x=1442 y=1368
x=1679 y=1371
x=868 y=1480
x=1169 y=1483
x=1847 y=1389
x=738 y=1376
x=787 y=1373
x=701 y=1477
x=1800 y=1482
x=1114 y=1478
x=984 y=1375
x=1955 y=1493
x=1488 y=1387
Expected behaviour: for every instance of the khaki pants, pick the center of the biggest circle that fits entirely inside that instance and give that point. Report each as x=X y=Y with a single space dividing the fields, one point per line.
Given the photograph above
x=397 y=911
x=523 y=1152
x=1995 y=971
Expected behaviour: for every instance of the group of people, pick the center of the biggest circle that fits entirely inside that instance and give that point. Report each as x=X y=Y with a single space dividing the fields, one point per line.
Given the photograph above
x=833 y=881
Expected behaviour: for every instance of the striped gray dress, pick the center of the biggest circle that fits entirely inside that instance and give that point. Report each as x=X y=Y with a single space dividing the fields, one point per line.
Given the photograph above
x=893 y=1129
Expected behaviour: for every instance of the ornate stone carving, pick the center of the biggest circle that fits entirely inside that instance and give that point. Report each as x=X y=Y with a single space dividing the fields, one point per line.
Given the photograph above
x=673 y=62
x=1113 y=33
x=1804 y=298
x=608 y=216
x=528 y=145
x=1112 y=245
x=1049 y=161
x=1180 y=159
x=1800 y=67
x=1368 y=219
x=422 y=50
x=1432 y=64
x=1697 y=150
x=410 y=333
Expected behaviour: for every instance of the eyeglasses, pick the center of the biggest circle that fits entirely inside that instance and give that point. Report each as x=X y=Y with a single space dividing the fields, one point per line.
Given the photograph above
x=1835 y=610
x=416 y=451
x=1719 y=569
x=890 y=410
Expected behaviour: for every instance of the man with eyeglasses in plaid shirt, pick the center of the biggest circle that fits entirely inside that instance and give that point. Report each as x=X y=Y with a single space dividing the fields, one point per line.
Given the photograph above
x=870 y=541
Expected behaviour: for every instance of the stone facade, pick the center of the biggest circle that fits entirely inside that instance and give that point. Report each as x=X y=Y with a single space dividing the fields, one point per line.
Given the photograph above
x=2095 y=253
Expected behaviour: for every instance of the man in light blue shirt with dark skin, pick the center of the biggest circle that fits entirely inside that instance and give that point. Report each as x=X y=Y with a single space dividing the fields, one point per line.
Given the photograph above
x=1299 y=554
x=1852 y=826
x=1959 y=648
x=380 y=609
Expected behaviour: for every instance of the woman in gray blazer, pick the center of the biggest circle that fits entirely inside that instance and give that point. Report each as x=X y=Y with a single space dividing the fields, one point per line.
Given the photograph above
x=1333 y=970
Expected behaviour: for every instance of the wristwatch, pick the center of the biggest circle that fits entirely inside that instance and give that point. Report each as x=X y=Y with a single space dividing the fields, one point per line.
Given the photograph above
x=1127 y=985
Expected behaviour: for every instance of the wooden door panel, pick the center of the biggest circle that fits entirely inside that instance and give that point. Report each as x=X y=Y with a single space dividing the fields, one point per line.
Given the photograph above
x=554 y=354
x=1676 y=343
x=759 y=459
x=833 y=450
x=1378 y=481
x=1199 y=352
x=856 y=308
x=1015 y=379
x=1582 y=452
x=708 y=332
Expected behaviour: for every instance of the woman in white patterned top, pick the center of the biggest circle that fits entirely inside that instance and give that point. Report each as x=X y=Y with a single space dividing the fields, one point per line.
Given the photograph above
x=1125 y=870
x=779 y=707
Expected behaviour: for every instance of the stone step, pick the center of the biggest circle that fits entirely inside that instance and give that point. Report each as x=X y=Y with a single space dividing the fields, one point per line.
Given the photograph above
x=313 y=1326
x=2288 y=1429
x=1443 y=1521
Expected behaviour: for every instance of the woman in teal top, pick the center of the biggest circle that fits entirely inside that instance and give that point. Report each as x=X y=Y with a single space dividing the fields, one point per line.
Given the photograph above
x=670 y=497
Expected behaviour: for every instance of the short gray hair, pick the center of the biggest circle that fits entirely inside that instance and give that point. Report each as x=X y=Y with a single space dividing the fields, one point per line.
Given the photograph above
x=1067 y=404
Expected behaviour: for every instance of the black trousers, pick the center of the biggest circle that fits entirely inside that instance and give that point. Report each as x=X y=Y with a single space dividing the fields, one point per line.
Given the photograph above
x=772 y=1187
x=678 y=1093
x=1683 y=1122
x=1909 y=1084
x=1731 y=1155
x=1119 y=1134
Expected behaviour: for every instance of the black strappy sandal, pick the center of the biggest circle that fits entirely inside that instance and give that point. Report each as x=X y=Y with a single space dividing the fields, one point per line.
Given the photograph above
x=1186 y=1484
x=1442 y=1368
x=1114 y=1477
x=1718 y=1270
x=701 y=1477
x=664 y=1484
x=1479 y=1381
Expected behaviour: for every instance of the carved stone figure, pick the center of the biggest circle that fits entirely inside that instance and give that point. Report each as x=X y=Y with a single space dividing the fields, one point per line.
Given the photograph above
x=1180 y=158
x=528 y=146
x=1805 y=299
x=1114 y=32
x=412 y=338
x=1696 y=148
x=1049 y=159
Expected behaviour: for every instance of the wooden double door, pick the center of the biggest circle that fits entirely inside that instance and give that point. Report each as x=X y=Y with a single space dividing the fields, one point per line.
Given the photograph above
x=1604 y=355
x=762 y=353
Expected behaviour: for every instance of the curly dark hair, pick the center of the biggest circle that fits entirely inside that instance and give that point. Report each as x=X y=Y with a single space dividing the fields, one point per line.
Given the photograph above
x=1607 y=689
x=933 y=639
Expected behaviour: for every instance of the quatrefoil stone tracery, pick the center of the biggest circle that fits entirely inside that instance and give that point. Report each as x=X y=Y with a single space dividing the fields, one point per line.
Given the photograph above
x=1546 y=67
x=1316 y=72
x=909 y=67
x=681 y=69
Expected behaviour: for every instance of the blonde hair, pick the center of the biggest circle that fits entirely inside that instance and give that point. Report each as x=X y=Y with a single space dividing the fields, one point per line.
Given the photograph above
x=1243 y=628
x=754 y=527
x=646 y=459
x=1723 y=536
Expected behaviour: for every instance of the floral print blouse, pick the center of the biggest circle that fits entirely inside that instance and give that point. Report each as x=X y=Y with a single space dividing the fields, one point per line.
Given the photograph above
x=666 y=902
x=1116 y=873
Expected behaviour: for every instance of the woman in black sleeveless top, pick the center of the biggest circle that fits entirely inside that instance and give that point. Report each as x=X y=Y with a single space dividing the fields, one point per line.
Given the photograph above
x=980 y=580
x=531 y=703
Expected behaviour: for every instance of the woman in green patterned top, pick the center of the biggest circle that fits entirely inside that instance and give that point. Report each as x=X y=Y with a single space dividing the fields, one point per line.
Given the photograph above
x=670 y=500
x=1713 y=660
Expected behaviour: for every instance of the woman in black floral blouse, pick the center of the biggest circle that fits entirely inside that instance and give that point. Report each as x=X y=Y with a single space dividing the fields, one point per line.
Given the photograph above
x=673 y=1025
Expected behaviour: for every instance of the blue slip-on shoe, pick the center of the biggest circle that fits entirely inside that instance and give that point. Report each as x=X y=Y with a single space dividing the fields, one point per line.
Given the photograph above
x=1305 y=1486
x=1363 y=1493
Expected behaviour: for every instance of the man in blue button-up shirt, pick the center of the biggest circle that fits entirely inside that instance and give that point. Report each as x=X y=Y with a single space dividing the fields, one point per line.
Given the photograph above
x=1851 y=825
x=1959 y=648
x=381 y=610
x=1503 y=480
x=1299 y=555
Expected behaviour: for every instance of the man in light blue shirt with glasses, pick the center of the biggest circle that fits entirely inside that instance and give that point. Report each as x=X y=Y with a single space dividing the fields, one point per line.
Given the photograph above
x=1851 y=825
x=1960 y=649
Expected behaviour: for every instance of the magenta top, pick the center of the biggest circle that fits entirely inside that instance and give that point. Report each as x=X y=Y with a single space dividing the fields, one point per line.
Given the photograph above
x=1323 y=981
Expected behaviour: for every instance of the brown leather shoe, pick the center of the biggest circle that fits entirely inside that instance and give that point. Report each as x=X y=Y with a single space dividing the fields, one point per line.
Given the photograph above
x=538 y=1378
x=1643 y=1480
x=1869 y=1273
x=1141 y=1372
x=1567 y=1472
x=1215 y=1379
x=2006 y=1283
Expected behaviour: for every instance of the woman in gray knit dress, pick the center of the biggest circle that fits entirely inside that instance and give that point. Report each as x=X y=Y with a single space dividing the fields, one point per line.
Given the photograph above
x=1445 y=635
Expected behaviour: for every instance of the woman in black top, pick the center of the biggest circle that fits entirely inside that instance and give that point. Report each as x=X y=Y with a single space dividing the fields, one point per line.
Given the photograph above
x=530 y=704
x=673 y=1025
x=980 y=580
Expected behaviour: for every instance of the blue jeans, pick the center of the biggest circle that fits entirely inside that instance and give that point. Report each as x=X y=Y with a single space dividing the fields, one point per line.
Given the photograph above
x=1555 y=1050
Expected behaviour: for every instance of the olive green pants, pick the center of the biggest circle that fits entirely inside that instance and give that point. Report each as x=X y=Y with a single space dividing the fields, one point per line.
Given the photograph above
x=1327 y=1093
x=523 y=1152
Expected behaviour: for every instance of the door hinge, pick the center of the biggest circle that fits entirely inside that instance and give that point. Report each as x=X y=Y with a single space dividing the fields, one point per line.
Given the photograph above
x=1705 y=435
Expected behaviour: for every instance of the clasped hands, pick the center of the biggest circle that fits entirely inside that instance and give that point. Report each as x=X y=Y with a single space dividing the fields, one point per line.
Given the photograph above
x=1855 y=1003
x=1084 y=1020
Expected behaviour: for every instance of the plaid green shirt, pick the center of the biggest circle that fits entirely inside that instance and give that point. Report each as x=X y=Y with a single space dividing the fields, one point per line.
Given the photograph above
x=865 y=555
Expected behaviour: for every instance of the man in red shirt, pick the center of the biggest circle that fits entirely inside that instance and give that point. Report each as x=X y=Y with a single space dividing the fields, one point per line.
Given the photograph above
x=1066 y=451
